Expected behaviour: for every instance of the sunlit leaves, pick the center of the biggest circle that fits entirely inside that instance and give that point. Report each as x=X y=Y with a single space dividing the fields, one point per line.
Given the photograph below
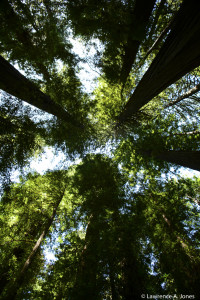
x=120 y=219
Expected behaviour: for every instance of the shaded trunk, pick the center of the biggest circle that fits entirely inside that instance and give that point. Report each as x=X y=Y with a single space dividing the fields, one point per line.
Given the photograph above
x=141 y=14
x=186 y=269
x=187 y=159
x=179 y=55
x=85 y=286
x=133 y=275
x=18 y=252
x=156 y=43
x=179 y=239
x=14 y=286
x=114 y=292
x=16 y=84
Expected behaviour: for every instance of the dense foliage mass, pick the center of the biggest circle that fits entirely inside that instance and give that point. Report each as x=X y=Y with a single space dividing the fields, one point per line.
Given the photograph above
x=117 y=214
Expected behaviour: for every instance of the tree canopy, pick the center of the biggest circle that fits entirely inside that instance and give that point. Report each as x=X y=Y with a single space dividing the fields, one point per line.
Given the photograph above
x=118 y=215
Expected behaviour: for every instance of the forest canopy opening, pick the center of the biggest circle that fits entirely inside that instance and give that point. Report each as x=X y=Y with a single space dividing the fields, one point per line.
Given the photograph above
x=117 y=211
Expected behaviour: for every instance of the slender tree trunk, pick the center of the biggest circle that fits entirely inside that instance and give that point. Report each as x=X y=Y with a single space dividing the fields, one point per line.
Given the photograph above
x=141 y=13
x=155 y=21
x=194 y=132
x=16 y=84
x=112 y=283
x=179 y=55
x=156 y=42
x=185 y=267
x=197 y=201
x=189 y=93
x=179 y=239
x=14 y=286
x=171 y=227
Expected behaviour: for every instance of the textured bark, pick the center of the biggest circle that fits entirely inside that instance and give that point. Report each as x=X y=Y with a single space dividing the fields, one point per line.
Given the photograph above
x=16 y=84
x=179 y=55
x=141 y=14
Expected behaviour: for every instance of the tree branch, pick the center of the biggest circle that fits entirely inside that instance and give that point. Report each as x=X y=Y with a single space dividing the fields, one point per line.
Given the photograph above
x=189 y=93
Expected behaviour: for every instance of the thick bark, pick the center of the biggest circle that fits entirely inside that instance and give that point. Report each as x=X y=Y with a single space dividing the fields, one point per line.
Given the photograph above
x=141 y=14
x=16 y=84
x=189 y=93
x=179 y=55
x=14 y=286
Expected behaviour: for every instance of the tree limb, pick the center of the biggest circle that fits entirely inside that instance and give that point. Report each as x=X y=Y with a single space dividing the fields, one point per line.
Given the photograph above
x=189 y=93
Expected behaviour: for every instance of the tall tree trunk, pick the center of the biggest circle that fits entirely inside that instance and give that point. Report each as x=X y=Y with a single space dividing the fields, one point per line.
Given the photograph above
x=16 y=84
x=156 y=43
x=14 y=286
x=188 y=266
x=179 y=239
x=85 y=286
x=187 y=159
x=155 y=21
x=114 y=292
x=133 y=276
x=179 y=55
x=141 y=13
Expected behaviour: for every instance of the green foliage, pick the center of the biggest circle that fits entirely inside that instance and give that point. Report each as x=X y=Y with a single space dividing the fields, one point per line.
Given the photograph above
x=20 y=137
x=25 y=210
x=34 y=34
x=122 y=224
